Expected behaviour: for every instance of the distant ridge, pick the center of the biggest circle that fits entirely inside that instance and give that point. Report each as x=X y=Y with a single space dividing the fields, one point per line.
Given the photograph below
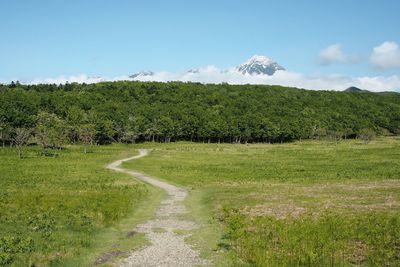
x=355 y=90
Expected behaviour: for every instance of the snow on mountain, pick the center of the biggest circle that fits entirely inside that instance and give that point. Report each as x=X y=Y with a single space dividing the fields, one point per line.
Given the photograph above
x=257 y=65
x=141 y=74
x=193 y=71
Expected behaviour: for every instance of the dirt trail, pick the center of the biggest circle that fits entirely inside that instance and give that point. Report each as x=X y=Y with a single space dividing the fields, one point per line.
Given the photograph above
x=167 y=248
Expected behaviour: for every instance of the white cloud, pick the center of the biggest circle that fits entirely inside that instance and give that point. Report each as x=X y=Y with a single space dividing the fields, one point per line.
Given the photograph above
x=334 y=54
x=212 y=74
x=379 y=83
x=386 y=56
x=82 y=78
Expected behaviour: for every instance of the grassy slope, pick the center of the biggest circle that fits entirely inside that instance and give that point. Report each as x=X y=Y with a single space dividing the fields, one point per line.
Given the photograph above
x=309 y=203
x=66 y=210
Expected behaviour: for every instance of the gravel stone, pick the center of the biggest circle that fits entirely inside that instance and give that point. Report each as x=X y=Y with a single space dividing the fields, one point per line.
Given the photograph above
x=167 y=249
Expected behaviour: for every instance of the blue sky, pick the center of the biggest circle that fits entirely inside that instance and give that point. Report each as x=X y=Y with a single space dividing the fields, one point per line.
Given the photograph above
x=49 y=38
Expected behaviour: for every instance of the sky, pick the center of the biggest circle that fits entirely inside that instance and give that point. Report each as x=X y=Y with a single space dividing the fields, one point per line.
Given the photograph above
x=322 y=44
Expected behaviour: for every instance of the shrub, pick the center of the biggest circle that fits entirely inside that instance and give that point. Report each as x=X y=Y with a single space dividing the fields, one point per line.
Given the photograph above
x=367 y=135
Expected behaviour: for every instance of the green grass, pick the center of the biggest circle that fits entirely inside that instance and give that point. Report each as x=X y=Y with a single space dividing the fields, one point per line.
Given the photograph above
x=312 y=203
x=308 y=161
x=68 y=210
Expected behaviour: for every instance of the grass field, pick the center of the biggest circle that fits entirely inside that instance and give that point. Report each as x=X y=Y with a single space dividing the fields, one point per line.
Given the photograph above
x=312 y=203
x=69 y=210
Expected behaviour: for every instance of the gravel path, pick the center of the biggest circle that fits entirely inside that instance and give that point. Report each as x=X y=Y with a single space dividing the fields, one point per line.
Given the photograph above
x=167 y=248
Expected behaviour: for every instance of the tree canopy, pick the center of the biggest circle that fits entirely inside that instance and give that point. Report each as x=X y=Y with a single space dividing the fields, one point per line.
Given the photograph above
x=127 y=111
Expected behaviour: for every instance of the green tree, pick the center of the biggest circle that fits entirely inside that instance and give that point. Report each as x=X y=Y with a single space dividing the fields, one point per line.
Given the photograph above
x=75 y=117
x=198 y=112
x=367 y=135
x=51 y=131
x=87 y=134
x=167 y=128
x=132 y=130
x=20 y=139
x=5 y=131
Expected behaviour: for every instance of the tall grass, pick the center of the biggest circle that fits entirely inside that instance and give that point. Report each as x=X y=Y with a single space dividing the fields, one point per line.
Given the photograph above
x=51 y=208
x=312 y=203
x=370 y=239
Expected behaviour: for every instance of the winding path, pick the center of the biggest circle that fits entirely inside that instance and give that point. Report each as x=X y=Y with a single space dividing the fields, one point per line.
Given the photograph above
x=167 y=249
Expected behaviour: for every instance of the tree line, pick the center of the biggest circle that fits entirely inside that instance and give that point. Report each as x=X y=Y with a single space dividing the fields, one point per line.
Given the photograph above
x=53 y=115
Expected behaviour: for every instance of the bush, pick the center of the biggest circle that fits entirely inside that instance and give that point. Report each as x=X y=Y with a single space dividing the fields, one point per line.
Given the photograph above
x=367 y=135
x=5 y=259
x=11 y=245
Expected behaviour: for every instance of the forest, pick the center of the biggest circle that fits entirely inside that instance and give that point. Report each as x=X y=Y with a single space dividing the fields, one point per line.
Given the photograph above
x=54 y=115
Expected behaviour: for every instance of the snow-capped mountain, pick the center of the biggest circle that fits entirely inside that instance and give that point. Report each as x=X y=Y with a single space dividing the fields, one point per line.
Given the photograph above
x=141 y=74
x=193 y=71
x=256 y=65
x=259 y=65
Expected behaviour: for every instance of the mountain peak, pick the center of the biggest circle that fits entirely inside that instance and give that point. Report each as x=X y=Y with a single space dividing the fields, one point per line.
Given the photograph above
x=193 y=71
x=141 y=74
x=355 y=90
x=259 y=65
x=259 y=59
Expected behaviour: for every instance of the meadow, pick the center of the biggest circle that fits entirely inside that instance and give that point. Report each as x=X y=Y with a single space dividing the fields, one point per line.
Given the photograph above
x=66 y=209
x=310 y=203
